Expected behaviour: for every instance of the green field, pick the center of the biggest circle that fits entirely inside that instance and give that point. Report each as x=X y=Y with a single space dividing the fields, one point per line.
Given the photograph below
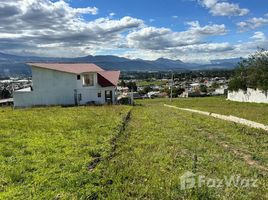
x=251 y=111
x=151 y=83
x=47 y=153
x=160 y=144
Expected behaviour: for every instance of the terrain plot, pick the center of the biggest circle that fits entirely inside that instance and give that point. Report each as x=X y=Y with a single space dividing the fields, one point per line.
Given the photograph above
x=122 y=152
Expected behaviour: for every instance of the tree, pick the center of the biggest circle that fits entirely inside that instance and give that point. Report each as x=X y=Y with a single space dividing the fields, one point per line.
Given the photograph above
x=146 y=89
x=132 y=86
x=175 y=91
x=5 y=94
x=215 y=85
x=203 y=88
x=251 y=73
x=122 y=83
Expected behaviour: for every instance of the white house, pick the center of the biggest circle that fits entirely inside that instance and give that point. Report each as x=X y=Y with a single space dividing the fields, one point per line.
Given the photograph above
x=68 y=84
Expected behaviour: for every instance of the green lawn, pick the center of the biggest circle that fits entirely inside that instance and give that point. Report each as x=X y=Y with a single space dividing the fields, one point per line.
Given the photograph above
x=45 y=153
x=159 y=146
x=48 y=153
x=151 y=83
x=252 y=111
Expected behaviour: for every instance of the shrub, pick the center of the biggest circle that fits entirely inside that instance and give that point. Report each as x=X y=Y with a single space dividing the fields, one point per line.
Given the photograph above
x=251 y=73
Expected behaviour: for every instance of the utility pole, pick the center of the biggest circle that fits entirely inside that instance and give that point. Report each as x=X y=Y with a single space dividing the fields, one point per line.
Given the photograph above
x=171 y=88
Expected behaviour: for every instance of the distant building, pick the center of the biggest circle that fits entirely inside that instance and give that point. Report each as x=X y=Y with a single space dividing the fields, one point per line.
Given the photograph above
x=136 y=95
x=221 y=91
x=185 y=94
x=68 y=84
x=122 y=89
x=153 y=94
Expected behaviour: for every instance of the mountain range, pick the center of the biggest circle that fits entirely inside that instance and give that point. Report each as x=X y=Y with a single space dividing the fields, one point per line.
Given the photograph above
x=15 y=65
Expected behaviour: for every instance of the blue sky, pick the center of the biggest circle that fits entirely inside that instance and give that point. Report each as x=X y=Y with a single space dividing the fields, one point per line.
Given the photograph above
x=190 y=30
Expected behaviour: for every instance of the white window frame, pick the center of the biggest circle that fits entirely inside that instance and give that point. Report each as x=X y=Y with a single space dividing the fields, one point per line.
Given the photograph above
x=91 y=82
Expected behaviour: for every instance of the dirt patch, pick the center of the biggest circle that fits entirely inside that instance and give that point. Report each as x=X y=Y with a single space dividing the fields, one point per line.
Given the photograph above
x=121 y=131
x=93 y=164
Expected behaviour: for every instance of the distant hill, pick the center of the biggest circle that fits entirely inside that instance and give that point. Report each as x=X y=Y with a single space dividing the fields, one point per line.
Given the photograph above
x=15 y=65
x=230 y=60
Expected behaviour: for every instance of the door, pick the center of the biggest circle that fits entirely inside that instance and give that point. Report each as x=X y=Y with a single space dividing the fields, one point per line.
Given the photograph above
x=75 y=98
x=109 y=96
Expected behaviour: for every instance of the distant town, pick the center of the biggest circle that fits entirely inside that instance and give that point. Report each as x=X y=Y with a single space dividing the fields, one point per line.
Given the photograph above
x=163 y=84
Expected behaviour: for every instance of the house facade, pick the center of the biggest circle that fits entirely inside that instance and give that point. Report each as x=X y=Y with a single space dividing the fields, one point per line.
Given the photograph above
x=68 y=84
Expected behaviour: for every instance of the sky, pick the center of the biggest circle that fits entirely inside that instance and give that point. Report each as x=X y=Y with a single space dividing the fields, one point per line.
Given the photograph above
x=189 y=30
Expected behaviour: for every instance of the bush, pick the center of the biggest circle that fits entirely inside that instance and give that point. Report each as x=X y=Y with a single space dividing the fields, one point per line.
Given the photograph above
x=251 y=73
x=237 y=83
x=5 y=94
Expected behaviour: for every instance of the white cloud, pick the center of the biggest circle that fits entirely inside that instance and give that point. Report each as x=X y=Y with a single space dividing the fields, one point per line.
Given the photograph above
x=259 y=36
x=162 y=38
x=213 y=29
x=252 y=23
x=204 y=52
x=88 y=10
x=206 y=47
x=208 y=3
x=258 y=40
x=45 y=28
x=222 y=8
x=33 y=25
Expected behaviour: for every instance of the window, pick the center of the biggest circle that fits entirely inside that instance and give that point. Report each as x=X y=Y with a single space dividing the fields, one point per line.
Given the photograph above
x=78 y=77
x=99 y=94
x=88 y=80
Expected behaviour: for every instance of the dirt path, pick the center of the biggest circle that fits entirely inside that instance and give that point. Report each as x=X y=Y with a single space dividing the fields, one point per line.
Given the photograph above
x=113 y=143
x=230 y=118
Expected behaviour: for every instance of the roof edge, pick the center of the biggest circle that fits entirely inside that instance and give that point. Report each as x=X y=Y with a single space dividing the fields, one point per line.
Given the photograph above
x=51 y=69
x=34 y=64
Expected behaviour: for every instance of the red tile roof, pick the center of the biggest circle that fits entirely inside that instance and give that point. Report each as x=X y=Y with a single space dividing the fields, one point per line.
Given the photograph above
x=77 y=68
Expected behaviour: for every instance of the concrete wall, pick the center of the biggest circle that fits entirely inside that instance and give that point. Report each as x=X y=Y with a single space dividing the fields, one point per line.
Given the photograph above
x=50 y=87
x=23 y=99
x=250 y=95
x=92 y=94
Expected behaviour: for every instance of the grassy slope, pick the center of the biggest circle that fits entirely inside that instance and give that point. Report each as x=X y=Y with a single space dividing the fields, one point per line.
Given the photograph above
x=45 y=153
x=251 y=111
x=159 y=146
